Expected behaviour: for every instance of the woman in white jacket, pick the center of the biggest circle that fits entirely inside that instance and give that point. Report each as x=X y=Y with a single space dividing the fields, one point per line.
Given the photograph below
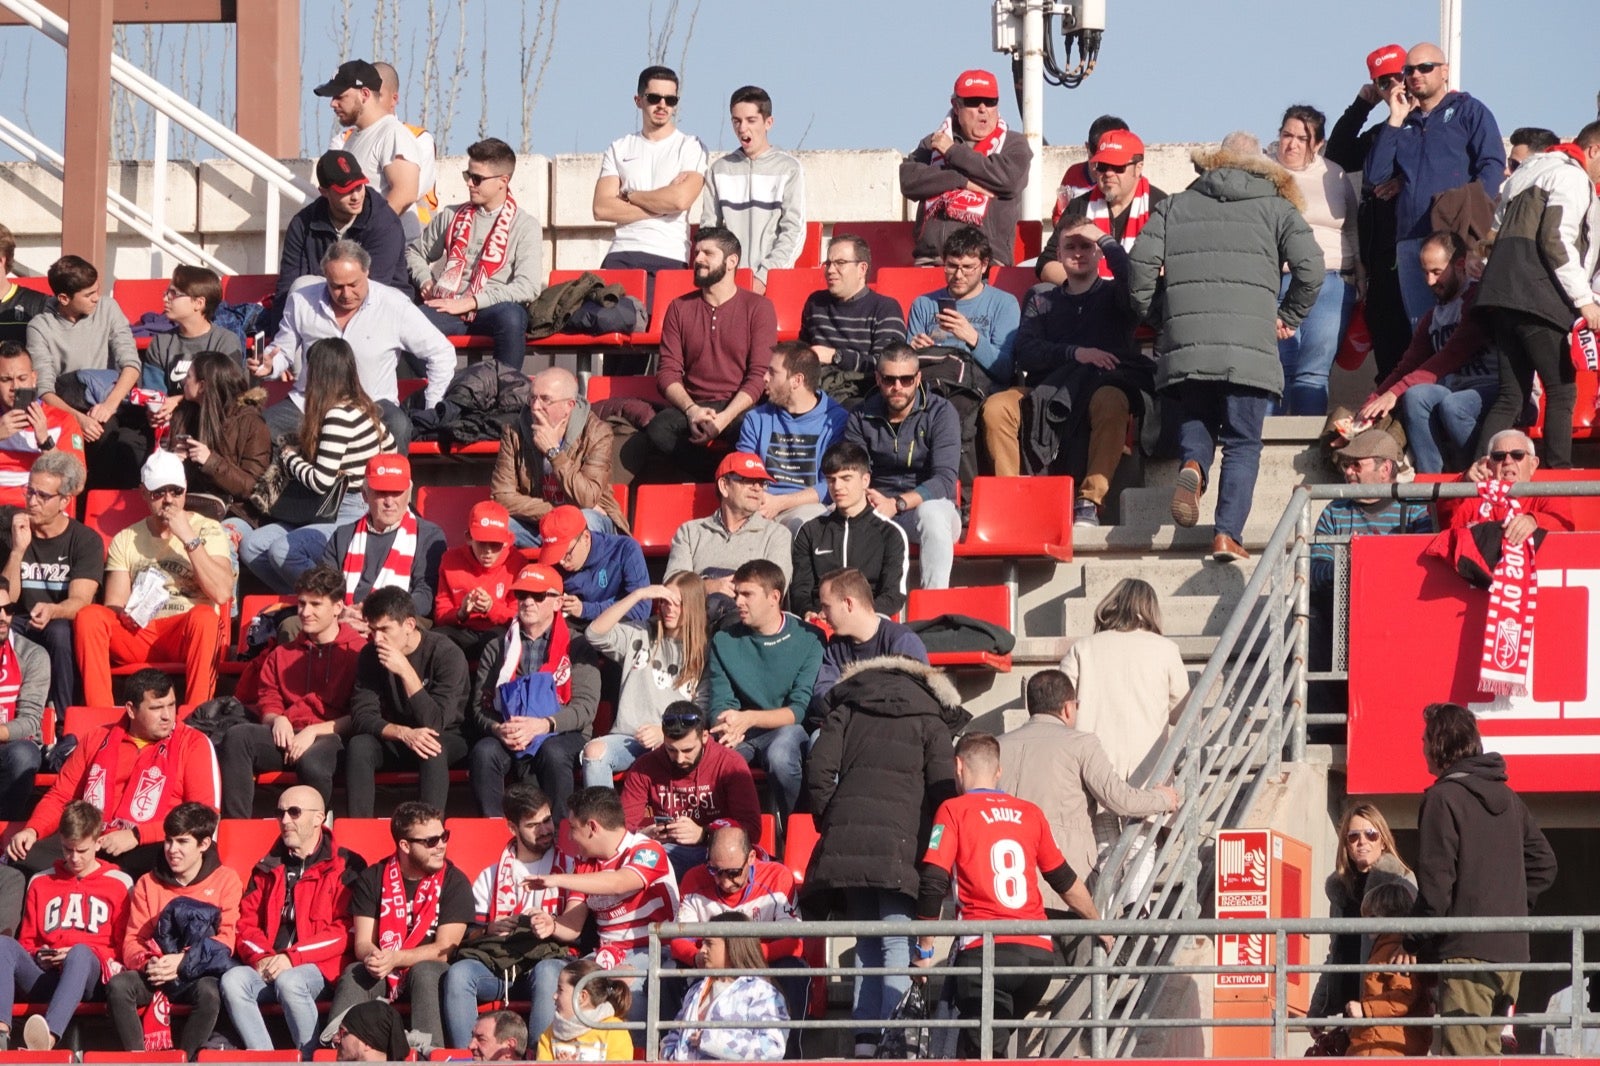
x=742 y=998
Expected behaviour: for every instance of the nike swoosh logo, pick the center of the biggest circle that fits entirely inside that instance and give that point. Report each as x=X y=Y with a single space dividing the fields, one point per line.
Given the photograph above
x=821 y=551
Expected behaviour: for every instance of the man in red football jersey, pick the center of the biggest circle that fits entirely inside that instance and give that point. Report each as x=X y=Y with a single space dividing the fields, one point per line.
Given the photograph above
x=995 y=847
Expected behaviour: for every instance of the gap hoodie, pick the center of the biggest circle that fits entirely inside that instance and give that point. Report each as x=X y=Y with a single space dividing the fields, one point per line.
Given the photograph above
x=1480 y=855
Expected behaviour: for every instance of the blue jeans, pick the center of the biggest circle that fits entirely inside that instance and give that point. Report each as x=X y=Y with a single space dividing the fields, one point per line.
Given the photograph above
x=19 y=762
x=525 y=532
x=781 y=753
x=469 y=983
x=1414 y=291
x=1308 y=355
x=295 y=989
x=936 y=525
x=506 y=323
x=279 y=554
x=876 y=995
x=620 y=752
x=1437 y=418
x=1209 y=414
x=67 y=987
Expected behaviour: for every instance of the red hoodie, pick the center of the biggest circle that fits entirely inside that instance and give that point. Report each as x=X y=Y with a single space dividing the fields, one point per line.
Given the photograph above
x=460 y=573
x=719 y=786
x=62 y=911
x=308 y=682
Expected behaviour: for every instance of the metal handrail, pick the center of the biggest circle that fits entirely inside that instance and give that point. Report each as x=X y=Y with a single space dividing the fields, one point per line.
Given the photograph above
x=167 y=105
x=1245 y=715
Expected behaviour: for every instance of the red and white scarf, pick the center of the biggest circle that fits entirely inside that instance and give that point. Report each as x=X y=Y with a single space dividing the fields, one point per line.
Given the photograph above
x=140 y=801
x=964 y=205
x=1138 y=215
x=405 y=923
x=1508 y=627
x=1585 y=350
x=557 y=657
x=491 y=257
x=396 y=568
x=510 y=899
x=10 y=680
x=1074 y=183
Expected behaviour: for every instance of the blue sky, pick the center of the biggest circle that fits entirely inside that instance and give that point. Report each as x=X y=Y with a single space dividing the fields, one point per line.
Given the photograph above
x=853 y=74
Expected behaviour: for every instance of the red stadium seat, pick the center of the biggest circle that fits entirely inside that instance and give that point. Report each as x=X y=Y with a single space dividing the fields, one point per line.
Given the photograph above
x=238 y=1055
x=1029 y=239
x=476 y=843
x=670 y=284
x=1020 y=516
x=800 y=838
x=633 y=282
x=173 y=1055
x=810 y=248
x=405 y=387
x=367 y=837
x=907 y=283
x=769 y=835
x=81 y=721
x=447 y=506
x=243 y=842
x=449 y=1054
x=989 y=603
x=138 y=297
x=788 y=289
x=661 y=509
x=26 y=1058
x=249 y=288
x=1015 y=280
x=110 y=511
x=624 y=387
x=891 y=242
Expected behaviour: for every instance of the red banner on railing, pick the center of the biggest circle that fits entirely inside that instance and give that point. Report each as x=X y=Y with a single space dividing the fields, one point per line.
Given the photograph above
x=1416 y=637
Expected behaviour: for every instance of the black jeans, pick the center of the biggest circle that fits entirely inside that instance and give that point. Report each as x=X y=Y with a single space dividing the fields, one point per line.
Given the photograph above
x=247 y=749
x=128 y=991
x=366 y=754
x=1015 y=995
x=554 y=765
x=685 y=460
x=55 y=637
x=1529 y=345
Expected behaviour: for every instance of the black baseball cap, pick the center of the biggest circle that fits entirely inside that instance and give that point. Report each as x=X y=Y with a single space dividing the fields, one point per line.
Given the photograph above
x=338 y=170
x=354 y=74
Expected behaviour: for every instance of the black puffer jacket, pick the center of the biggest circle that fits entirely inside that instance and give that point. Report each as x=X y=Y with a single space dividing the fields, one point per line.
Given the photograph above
x=1480 y=854
x=882 y=764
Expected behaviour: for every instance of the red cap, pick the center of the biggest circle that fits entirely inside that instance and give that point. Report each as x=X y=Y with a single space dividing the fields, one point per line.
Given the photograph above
x=745 y=465
x=1390 y=59
x=1118 y=148
x=389 y=473
x=488 y=521
x=536 y=578
x=559 y=529
x=976 y=83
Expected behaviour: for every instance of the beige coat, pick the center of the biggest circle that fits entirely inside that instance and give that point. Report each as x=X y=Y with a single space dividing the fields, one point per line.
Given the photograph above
x=1130 y=688
x=1066 y=773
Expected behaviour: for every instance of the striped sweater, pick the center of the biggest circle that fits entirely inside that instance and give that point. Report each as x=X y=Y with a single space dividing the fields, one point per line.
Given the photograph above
x=857 y=328
x=348 y=439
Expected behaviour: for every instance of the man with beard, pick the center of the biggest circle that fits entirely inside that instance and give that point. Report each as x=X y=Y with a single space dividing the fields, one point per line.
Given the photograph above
x=790 y=432
x=716 y=343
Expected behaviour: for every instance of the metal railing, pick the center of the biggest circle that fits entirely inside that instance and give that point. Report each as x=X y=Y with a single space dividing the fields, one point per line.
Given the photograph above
x=167 y=107
x=1245 y=715
x=1113 y=981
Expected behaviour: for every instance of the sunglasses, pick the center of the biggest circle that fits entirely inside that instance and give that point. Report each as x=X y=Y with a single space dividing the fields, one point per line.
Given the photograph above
x=170 y=490
x=296 y=813
x=905 y=381
x=1420 y=68
x=431 y=842
x=1371 y=835
x=478 y=179
x=1387 y=81
x=1516 y=455
x=1112 y=168
x=975 y=102
x=537 y=597
x=723 y=873
x=660 y=98
x=7 y=610
x=676 y=721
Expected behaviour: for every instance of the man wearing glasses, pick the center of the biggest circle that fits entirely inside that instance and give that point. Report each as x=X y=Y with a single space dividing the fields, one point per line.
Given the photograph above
x=534 y=700
x=478 y=262
x=847 y=324
x=649 y=180
x=180 y=565
x=968 y=172
x=408 y=914
x=294 y=925
x=302 y=696
x=1436 y=139
x=1118 y=205
x=558 y=452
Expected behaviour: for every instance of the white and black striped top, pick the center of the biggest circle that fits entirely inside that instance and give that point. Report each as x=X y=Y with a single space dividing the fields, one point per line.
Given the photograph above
x=348 y=439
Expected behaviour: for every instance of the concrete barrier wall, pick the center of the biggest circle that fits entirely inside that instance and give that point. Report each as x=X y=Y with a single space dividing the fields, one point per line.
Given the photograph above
x=221 y=207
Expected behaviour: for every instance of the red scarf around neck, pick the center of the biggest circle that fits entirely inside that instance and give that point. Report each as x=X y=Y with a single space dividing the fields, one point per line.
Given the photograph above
x=396 y=568
x=1138 y=216
x=405 y=923
x=964 y=205
x=1508 y=626
x=491 y=257
x=10 y=680
x=557 y=657
x=140 y=799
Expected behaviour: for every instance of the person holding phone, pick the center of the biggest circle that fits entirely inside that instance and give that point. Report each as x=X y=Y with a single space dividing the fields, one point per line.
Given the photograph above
x=28 y=428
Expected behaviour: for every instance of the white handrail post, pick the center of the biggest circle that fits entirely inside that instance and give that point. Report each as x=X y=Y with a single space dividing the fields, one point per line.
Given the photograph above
x=269 y=242
x=158 y=197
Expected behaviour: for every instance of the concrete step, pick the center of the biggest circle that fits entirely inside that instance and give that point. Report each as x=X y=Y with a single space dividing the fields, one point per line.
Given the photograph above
x=1188 y=615
x=1170 y=576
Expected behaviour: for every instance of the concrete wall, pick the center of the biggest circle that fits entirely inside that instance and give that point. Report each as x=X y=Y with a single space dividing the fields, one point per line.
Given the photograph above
x=221 y=207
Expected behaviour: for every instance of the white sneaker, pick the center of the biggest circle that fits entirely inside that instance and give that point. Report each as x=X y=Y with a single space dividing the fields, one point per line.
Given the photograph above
x=36 y=1034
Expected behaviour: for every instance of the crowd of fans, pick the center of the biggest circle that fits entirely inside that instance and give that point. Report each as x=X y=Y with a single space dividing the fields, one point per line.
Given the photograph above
x=770 y=646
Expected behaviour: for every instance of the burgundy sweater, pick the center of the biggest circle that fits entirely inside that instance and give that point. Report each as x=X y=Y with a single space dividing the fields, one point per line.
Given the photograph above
x=715 y=352
x=719 y=786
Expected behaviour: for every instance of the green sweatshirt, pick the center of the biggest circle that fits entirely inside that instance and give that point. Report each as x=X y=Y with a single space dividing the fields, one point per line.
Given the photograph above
x=753 y=672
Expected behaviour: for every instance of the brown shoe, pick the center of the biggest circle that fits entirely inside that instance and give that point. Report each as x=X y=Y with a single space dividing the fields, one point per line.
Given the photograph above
x=1224 y=549
x=1186 y=495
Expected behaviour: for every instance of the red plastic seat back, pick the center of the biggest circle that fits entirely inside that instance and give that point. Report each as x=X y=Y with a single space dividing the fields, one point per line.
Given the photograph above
x=447 y=507
x=987 y=603
x=788 y=289
x=110 y=511
x=367 y=837
x=476 y=843
x=660 y=509
x=1021 y=516
x=892 y=243
x=243 y=842
x=800 y=839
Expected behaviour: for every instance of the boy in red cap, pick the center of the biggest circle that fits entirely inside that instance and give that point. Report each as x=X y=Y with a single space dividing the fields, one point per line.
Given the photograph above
x=968 y=172
x=597 y=569
x=474 y=601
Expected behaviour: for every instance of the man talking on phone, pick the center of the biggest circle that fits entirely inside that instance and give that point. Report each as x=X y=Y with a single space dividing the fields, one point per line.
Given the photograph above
x=28 y=428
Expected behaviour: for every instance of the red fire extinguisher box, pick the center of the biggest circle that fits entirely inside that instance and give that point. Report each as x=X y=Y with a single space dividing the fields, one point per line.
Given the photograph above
x=1260 y=874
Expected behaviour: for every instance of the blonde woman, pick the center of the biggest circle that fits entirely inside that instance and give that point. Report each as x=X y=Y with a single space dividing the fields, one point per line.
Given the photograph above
x=1367 y=858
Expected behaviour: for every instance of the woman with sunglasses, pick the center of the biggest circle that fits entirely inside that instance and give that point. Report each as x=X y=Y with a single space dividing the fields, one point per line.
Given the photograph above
x=1330 y=209
x=661 y=664
x=1367 y=858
